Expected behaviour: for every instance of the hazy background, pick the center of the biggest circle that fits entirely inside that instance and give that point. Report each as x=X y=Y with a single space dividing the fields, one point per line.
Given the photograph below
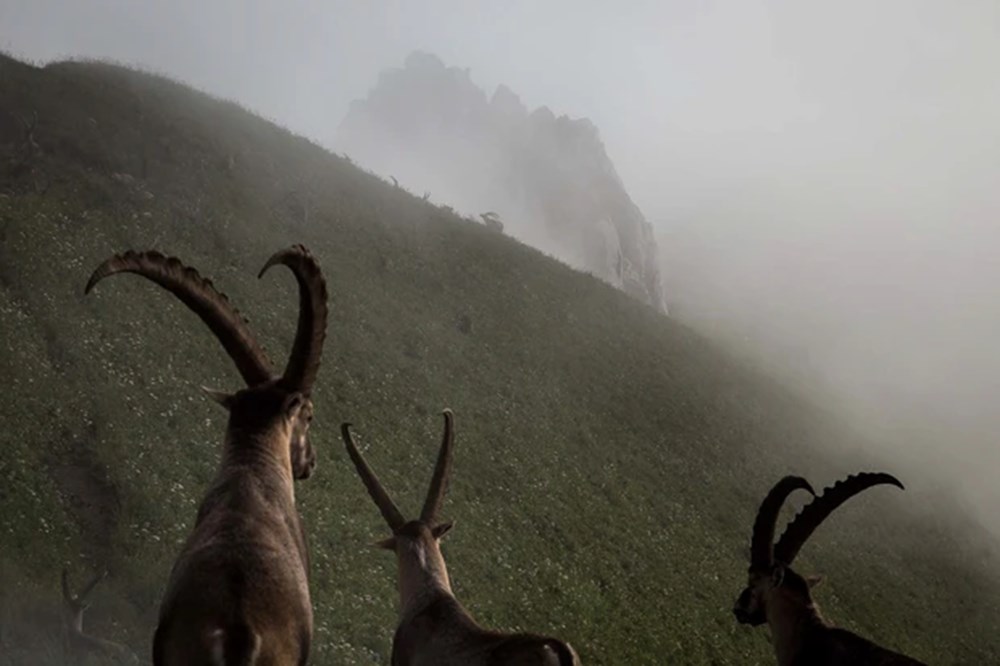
x=823 y=177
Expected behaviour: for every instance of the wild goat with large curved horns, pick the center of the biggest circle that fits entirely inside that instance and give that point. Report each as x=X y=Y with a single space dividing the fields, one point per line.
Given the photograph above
x=434 y=628
x=781 y=597
x=239 y=592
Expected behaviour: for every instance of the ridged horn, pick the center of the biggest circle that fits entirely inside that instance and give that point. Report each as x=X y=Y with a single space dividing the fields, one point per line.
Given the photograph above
x=382 y=500
x=202 y=298
x=439 y=482
x=802 y=526
x=303 y=362
x=762 y=540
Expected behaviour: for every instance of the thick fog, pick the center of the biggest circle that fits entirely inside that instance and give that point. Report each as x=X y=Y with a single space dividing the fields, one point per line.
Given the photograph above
x=824 y=178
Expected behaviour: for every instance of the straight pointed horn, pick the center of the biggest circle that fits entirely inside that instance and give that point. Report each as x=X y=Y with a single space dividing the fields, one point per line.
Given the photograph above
x=67 y=595
x=762 y=540
x=439 y=482
x=89 y=587
x=382 y=500
x=802 y=526
x=202 y=298
x=303 y=362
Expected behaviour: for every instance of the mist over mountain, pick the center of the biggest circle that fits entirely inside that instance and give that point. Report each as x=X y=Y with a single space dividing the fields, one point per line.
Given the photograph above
x=611 y=460
x=548 y=178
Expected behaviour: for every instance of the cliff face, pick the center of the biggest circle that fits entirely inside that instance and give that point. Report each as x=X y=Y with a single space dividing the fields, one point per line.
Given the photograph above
x=548 y=178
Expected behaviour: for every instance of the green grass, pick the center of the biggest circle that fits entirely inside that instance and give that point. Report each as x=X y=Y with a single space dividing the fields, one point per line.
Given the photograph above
x=608 y=461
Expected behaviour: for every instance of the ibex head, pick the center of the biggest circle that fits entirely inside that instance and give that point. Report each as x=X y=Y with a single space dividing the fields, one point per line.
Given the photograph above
x=74 y=605
x=271 y=403
x=272 y=408
x=772 y=583
x=420 y=536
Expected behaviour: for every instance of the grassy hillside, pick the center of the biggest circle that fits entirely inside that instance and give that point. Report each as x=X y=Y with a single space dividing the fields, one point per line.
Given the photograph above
x=608 y=460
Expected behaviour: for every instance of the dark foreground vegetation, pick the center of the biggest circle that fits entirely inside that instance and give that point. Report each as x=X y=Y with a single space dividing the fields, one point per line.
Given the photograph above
x=609 y=461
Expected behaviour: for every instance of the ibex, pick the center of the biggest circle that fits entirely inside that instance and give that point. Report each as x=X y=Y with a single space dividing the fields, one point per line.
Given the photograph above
x=238 y=592
x=78 y=643
x=781 y=597
x=492 y=221
x=434 y=628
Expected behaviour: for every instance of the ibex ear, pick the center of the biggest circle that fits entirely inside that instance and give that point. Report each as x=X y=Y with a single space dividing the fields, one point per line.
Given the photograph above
x=440 y=530
x=777 y=575
x=387 y=544
x=813 y=581
x=221 y=397
x=293 y=403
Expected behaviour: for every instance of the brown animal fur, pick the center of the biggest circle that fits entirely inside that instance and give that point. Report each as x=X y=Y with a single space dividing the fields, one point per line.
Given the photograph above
x=434 y=628
x=781 y=598
x=238 y=593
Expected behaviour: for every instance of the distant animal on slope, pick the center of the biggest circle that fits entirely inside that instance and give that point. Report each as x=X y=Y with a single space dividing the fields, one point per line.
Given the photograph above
x=434 y=628
x=78 y=643
x=492 y=221
x=780 y=597
x=239 y=592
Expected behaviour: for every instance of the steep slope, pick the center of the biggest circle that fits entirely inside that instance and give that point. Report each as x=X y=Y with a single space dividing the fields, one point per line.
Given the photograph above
x=549 y=178
x=608 y=460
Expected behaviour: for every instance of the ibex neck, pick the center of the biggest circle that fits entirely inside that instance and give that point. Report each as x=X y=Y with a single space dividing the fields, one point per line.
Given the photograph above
x=791 y=624
x=263 y=452
x=76 y=621
x=423 y=576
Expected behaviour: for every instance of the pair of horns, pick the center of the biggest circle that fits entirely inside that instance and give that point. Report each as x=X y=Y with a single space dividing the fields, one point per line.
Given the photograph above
x=77 y=602
x=764 y=552
x=225 y=321
x=439 y=482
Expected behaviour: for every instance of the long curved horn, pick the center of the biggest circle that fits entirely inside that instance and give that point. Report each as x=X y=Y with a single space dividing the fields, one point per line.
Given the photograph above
x=200 y=296
x=382 y=500
x=762 y=540
x=803 y=525
x=439 y=482
x=303 y=362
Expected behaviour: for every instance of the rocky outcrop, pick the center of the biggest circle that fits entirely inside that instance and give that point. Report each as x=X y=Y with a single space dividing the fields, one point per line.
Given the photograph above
x=548 y=178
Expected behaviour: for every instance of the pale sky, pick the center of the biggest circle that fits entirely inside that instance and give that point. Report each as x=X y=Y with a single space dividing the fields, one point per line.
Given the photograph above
x=824 y=177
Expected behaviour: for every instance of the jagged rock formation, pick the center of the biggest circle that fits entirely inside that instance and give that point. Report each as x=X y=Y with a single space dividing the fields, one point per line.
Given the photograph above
x=547 y=178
